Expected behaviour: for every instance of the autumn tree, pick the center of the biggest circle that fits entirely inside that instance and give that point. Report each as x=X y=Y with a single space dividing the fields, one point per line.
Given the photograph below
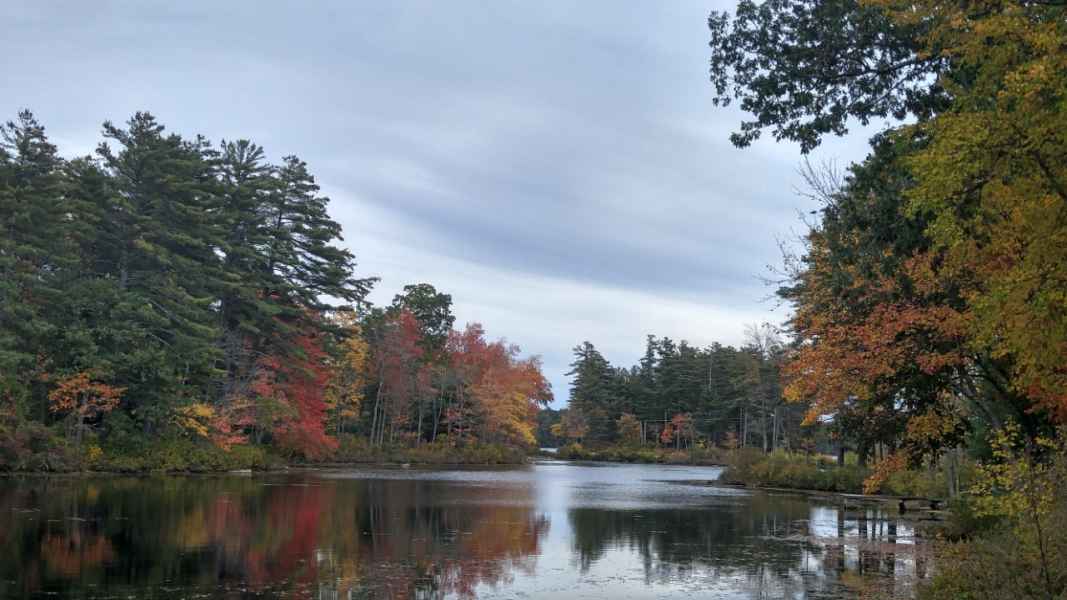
x=629 y=430
x=572 y=426
x=992 y=182
x=350 y=371
x=83 y=400
x=402 y=379
x=930 y=286
x=296 y=392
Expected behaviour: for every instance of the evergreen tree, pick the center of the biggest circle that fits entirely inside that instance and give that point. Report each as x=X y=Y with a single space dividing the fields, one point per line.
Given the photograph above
x=160 y=246
x=591 y=391
x=36 y=255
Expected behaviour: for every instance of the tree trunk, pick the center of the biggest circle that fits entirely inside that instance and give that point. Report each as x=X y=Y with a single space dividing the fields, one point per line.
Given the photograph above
x=763 y=424
x=744 y=427
x=774 y=425
x=418 y=433
x=436 y=418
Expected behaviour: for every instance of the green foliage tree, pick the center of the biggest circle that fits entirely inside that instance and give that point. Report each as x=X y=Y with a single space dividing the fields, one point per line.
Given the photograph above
x=803 y=68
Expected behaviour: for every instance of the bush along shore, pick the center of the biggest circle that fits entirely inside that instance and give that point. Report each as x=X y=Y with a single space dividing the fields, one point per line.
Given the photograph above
x=751 y=467
x=710 y=456
x=34 y=448
x=790 y=470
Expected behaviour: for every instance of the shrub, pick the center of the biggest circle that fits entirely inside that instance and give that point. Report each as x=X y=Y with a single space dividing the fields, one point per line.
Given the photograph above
x=1024 y=553
x=354 y=449
x=574 y=451
x=180 y=455
x=788 y=470
x=31 y=446
x=643 y=454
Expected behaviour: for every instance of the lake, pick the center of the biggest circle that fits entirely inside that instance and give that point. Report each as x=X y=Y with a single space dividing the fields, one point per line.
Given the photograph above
x=548 y=530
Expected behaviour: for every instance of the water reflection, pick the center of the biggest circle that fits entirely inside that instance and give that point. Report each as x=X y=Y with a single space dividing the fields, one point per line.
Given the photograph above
x=769 y=547
x=552 y=530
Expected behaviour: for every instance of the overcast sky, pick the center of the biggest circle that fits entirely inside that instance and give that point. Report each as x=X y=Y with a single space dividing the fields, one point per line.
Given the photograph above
x=559 y=169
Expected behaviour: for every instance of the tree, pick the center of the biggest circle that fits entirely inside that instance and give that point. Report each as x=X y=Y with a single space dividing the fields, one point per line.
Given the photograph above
x=303 y=262
x=83 y=400
x=350 y=372
x=591 y=392
x=431 y=308
x=629 y=430
x=572 y=426
x=803 y=68
x=402 y=380
x=992 y=182
x=299 y=386
x=158 y=245
x=281 y=258
x=547 y=419
x=248 y=316
x=496 y=394
x=875 y=345
x=681 y=426
x=37 y=251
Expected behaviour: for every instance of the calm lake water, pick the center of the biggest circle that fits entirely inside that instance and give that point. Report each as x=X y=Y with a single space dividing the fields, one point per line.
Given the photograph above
x=549 y=530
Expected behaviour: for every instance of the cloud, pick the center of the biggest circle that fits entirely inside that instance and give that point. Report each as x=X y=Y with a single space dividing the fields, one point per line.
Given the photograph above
x=559 y=169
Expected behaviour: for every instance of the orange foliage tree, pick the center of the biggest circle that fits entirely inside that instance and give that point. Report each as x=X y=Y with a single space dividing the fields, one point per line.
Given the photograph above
x=495 y=389
x=83 y=400
x=882 y=333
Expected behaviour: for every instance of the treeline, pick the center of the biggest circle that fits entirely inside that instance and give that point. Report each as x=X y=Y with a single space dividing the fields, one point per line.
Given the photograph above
x=679 y=395
x=930 y=314
x=429 y=382
x=168 y=288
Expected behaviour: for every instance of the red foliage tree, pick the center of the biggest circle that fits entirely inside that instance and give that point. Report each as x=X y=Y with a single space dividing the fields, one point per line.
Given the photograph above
x=297 y=388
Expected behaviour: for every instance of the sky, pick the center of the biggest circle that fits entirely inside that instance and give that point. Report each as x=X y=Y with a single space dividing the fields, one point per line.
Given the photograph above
x=558 y=167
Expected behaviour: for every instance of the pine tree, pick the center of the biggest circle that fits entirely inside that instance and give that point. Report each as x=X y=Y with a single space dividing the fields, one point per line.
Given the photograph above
x=160 y=246
x=591 y=391
x=36 y=254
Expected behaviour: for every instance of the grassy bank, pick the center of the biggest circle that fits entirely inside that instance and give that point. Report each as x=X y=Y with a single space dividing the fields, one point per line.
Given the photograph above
x=40 y=452
x=782 y=469
x=643 y=454
x=356 y=450
x=33 y=448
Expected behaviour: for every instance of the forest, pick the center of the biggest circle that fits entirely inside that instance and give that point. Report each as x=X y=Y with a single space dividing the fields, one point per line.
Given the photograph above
x=172 y=304
x=679 y=396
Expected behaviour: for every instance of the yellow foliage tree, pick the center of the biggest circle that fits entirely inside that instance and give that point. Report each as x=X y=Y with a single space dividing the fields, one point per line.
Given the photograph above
x=344 y=396
x=992 y=179
x=195 y=419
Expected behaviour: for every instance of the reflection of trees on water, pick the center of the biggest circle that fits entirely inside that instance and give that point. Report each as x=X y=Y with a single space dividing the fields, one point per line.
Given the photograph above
x=233 y=537
x=774 y=545
x=250 y=537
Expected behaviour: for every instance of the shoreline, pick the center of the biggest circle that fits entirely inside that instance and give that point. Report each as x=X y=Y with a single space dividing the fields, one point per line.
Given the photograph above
x=288 y=468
